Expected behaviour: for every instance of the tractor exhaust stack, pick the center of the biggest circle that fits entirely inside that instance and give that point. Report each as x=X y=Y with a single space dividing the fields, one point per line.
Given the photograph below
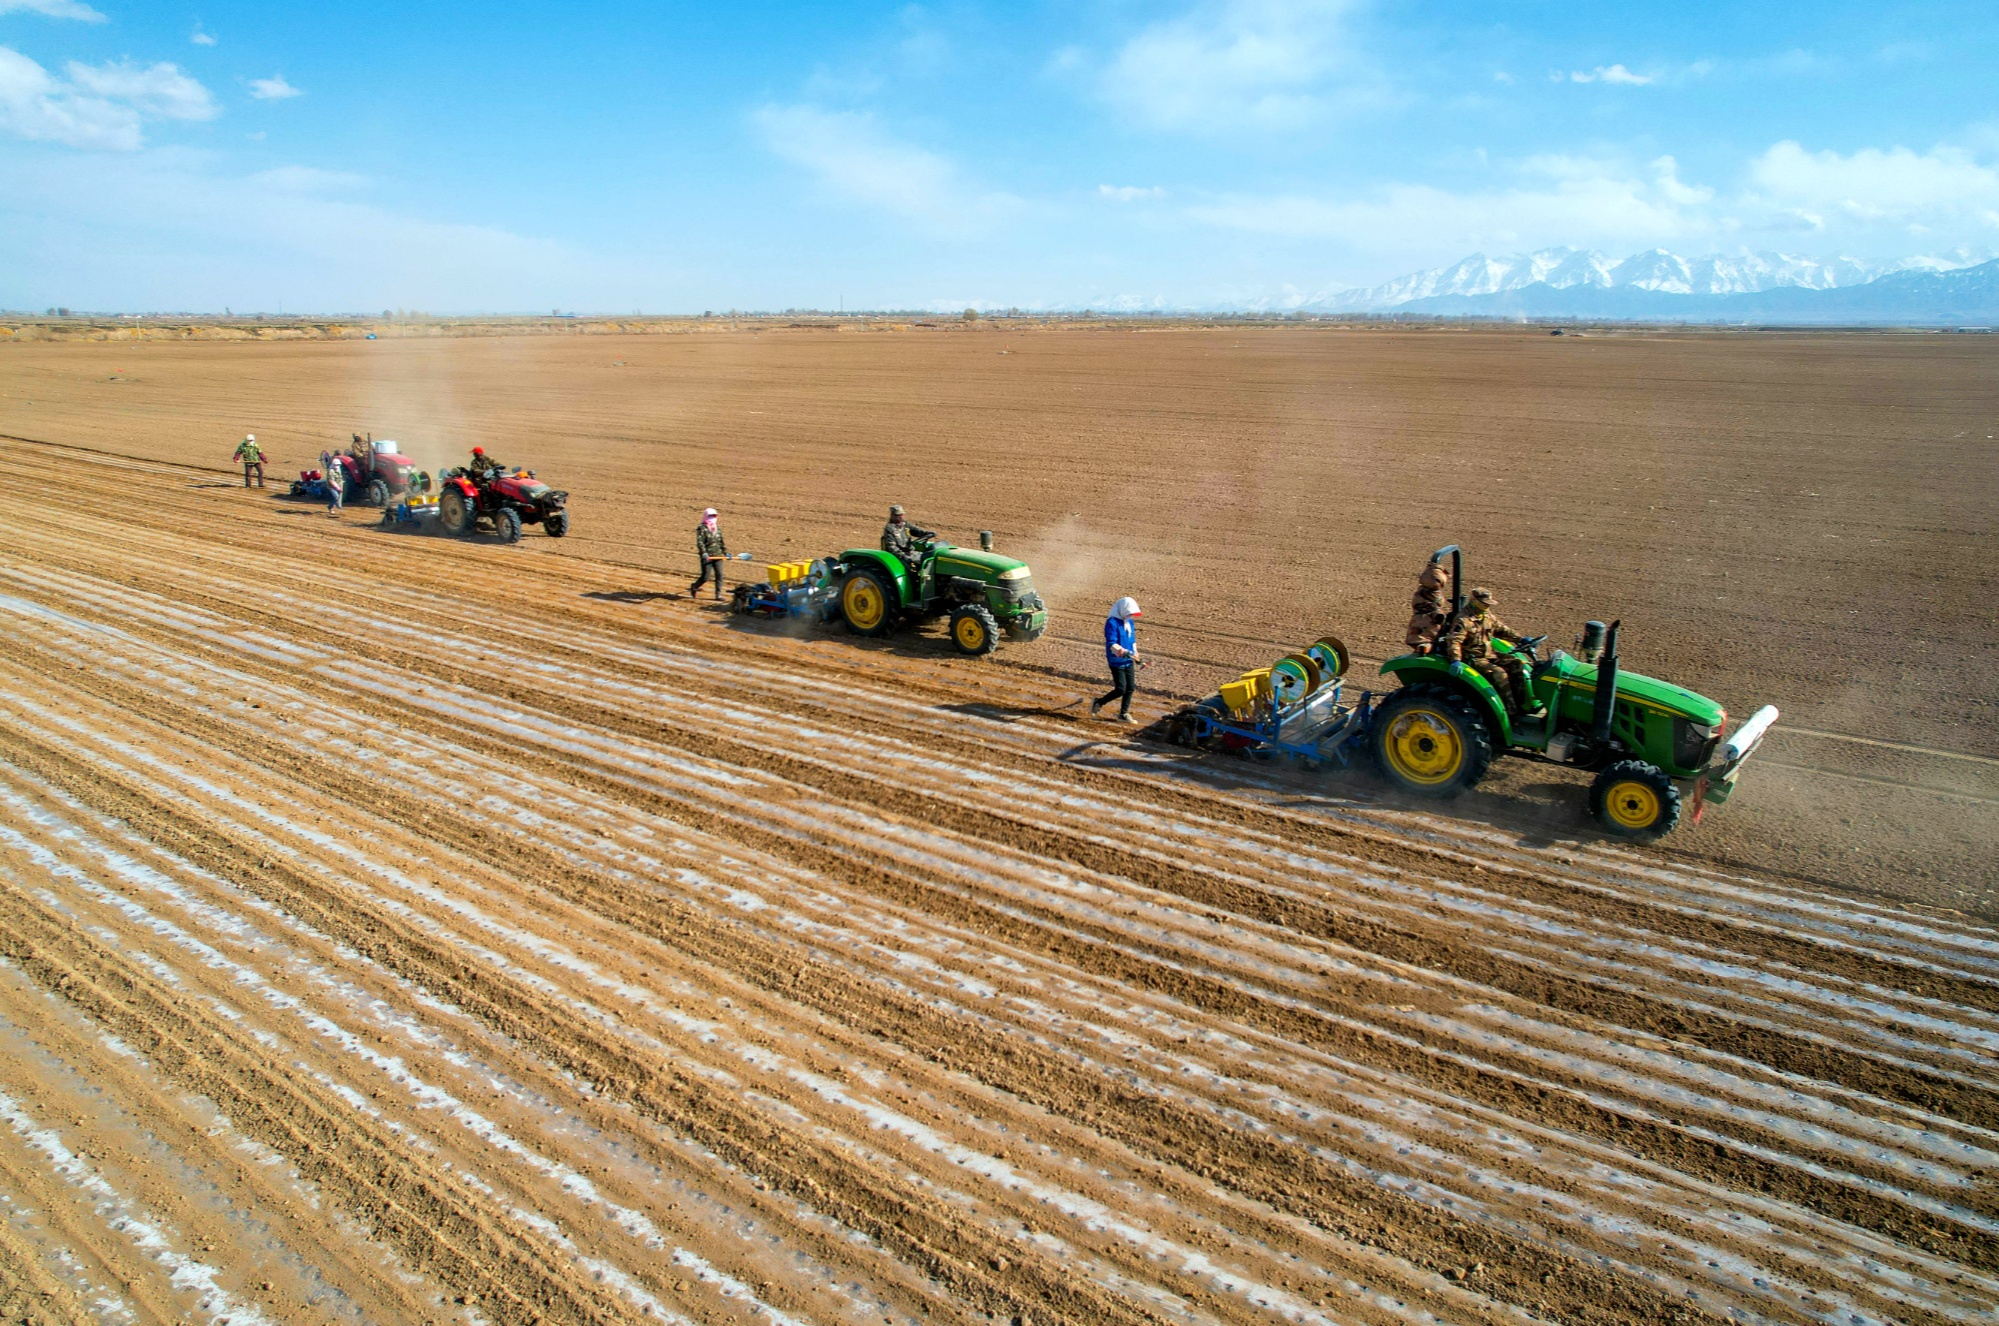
x=1606 y=688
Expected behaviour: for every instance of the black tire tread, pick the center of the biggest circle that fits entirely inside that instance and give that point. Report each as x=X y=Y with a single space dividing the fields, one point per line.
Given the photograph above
x=985 y=616
x=1471 y=724
x=1641 y=771
x=889 y=598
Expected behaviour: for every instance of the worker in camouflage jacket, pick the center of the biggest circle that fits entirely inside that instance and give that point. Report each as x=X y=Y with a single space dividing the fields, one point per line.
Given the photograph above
x=712 y=549
x=1470 y=642
x=899 y=537
x=252 y=457
x=1428 y=610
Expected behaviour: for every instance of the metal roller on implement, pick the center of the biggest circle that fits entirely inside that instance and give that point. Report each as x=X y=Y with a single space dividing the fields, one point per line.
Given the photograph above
x=1291 y=710
x=1330 y=653
x=1294 y=677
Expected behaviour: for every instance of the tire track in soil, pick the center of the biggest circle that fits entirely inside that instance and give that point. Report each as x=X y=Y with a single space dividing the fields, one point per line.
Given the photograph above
x=1265 y=911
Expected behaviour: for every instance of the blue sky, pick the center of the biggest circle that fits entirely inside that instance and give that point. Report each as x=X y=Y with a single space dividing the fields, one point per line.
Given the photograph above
x=669 y=158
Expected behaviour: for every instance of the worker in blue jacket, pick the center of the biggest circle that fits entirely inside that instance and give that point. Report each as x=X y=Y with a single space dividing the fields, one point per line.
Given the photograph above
x=1121 y=652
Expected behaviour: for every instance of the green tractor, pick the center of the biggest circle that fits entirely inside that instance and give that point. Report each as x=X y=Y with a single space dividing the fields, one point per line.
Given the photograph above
x=984 y=593
x=1651 y=744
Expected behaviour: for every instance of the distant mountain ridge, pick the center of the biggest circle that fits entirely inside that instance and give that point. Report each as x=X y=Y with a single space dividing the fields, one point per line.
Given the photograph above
x=1655 y=270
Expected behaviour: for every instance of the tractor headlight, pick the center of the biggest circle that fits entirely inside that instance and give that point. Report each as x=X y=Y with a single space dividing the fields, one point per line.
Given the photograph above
x=1018 y=573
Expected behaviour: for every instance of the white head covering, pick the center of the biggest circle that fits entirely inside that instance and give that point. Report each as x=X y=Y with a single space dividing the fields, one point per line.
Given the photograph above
x=1125 y=609
x=249 y=437
x=710 y=512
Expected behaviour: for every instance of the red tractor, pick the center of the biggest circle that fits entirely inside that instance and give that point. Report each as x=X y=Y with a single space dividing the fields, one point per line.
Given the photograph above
x=377 y=472
x=508 y=499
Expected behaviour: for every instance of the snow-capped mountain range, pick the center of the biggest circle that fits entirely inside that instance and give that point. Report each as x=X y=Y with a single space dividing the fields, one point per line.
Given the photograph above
x=1654 y=270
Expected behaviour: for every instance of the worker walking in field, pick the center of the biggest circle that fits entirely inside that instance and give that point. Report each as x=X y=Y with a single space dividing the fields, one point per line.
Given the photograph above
x=712 y=549
x=899 y=537
x=336 y=482
x=252 y=457
x=1470 y=642
x=1121 y=653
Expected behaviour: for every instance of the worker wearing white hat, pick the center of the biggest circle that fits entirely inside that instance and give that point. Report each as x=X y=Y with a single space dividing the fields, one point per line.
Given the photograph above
x=712 y=549
x=252 y=457
x=1121 y=652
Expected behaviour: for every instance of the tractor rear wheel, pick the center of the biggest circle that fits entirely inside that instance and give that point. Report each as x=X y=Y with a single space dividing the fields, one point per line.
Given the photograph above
x=973 y=629
x=456 y=513
x=1633 y=799
x=378 y=493
x=507 y=523
x=556 y=523
x=868 y=602
x=1430 y=743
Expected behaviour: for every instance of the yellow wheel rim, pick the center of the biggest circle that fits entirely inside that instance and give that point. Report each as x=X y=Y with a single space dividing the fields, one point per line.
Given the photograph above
x=1424 y=747
x=971 y=634
x=863 y=603
x=1632 y=805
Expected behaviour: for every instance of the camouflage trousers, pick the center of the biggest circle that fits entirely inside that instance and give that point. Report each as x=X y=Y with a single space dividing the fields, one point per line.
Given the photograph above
x=1508 y=676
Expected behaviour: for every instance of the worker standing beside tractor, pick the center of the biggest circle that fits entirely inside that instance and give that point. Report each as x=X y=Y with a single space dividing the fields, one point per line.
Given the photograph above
x=1121 y=652
x=252 y=457
x=336 y=482
x=712 y=549
x=1469 y=641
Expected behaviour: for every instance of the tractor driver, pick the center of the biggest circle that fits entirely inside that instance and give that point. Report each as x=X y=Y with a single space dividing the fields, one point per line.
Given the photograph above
x=1470 y=643
x=482 y=464
x=899 y=537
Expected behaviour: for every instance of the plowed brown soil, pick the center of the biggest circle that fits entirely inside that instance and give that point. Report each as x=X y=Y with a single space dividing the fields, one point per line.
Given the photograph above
x=397 y=929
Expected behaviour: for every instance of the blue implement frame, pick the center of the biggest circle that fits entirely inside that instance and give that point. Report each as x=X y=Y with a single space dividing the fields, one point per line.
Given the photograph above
x=1312 y=732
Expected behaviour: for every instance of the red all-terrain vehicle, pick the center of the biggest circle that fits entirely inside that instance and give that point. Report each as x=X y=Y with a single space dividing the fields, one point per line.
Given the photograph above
x=508 y=499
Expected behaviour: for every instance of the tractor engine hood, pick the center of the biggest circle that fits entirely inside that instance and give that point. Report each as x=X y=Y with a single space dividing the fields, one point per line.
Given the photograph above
x=529 y=490
x=972 y=563
x=1635 y=686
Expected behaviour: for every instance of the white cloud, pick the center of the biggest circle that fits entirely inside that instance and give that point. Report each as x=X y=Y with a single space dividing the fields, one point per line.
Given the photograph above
x=54 y=9
x=1228 y=64
x=851 y=155
x=1872 y=200
x=308 y=180
x=201 y=38
x=99 y=106
x=1554 y=200
x=1872 y=185
x=158 y=89
x=1615 y=73
x=273 y=89
x=1129 y=193
x=164 y=229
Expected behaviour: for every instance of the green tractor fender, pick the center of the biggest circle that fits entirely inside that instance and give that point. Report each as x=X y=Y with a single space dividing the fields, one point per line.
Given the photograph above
x=1429 y=670
x=889 y=565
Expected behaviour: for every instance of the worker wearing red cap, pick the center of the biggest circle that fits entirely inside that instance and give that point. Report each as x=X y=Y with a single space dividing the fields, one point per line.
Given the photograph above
x=481 y=463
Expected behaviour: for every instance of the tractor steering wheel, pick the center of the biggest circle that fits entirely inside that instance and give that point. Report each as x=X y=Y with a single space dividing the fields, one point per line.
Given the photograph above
x=1527 y=645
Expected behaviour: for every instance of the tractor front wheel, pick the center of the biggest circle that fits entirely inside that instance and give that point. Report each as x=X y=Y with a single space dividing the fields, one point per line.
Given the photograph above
x=1430 y=743
x=1633 y=799
x=507 y=524
x=456 y=513
x=378 y=493
x=868 y=603
x=556 y=523
x=973 y=629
